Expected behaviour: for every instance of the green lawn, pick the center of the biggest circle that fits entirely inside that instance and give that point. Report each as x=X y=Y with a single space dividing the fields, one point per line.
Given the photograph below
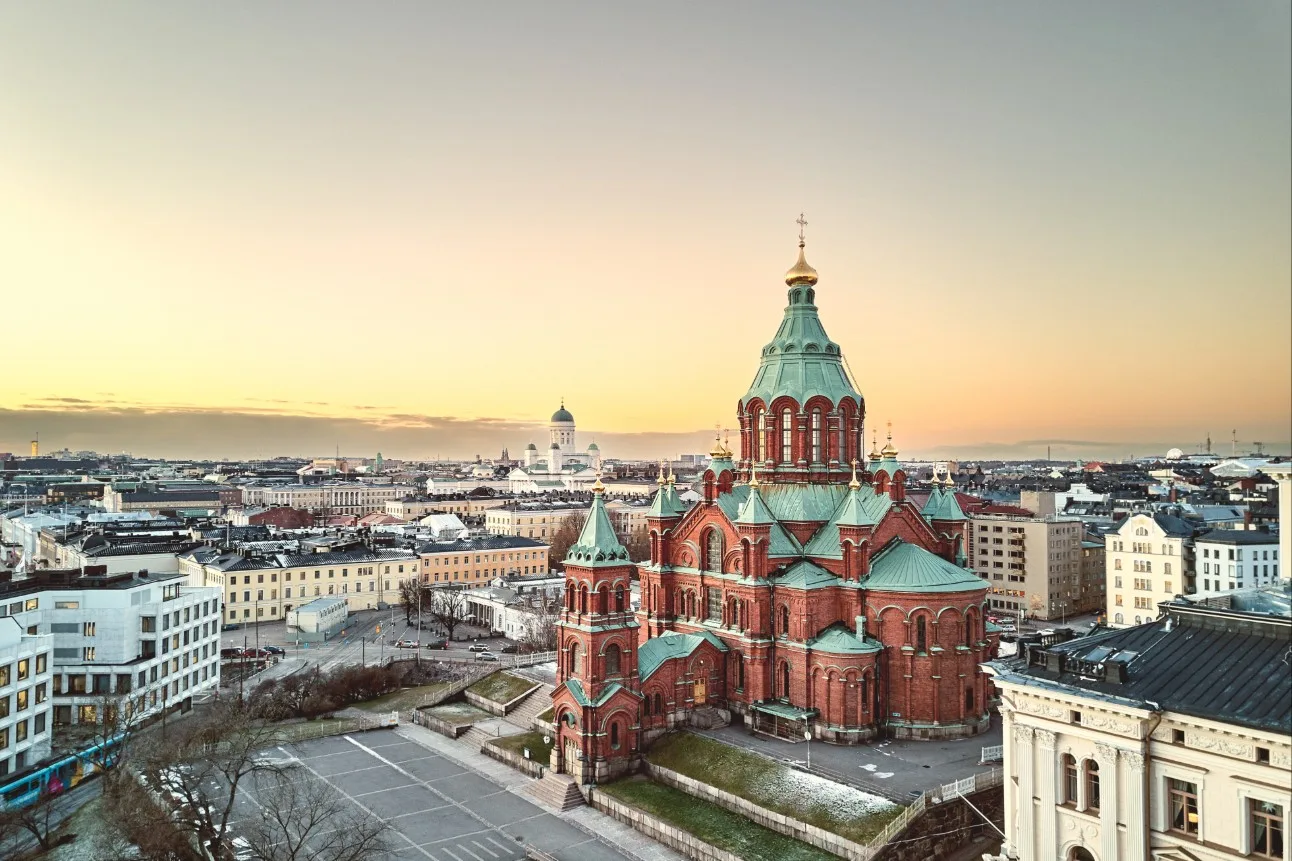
x=401 y=700
x=458 y=714
x=848 y=812
x=713 y=824
x=501 y=687
x=539 y=750
x=546 y=716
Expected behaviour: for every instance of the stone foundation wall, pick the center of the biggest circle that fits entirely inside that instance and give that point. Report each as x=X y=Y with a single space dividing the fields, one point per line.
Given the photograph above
x=947 y=828
x=532 y=767
x=443 y=727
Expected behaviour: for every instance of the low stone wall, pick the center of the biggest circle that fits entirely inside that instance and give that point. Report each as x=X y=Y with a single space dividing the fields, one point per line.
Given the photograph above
x=532 y=767
x=790 y=827
x=674 y=838
x=944 y=829
x=443 y=727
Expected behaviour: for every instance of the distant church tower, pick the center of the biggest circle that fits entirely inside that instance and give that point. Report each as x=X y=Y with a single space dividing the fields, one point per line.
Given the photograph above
x=597 y=701
x=562 y=428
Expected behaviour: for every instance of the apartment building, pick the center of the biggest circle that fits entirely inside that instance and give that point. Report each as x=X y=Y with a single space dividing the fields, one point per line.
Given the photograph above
x=1166 y=740
x=119 y=640
x=1033 y=564
x=1146 y=562
x=1235 y=559
x=264 y=587
x=26 y=727
x=538 y=520
x=335 y=497
x=480 y=560
x=417 y=507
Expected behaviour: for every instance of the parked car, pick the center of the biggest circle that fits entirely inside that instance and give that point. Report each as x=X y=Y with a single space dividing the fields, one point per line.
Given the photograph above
x=478 y=647
x=441 y=643
x=254 y=653
x=405 y=644
x=486 y=656
x=274 y=650
x=510 y=649
x=232 y=626
x=231 y=653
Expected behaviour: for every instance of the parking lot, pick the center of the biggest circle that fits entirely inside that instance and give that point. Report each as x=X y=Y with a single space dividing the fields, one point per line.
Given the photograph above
x=439 y=810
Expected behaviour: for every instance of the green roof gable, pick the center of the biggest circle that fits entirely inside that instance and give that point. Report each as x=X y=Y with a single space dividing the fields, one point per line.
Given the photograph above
x=598 y=546
x=838 y=640
x=902 y=567
x=805 y=575
x=652 y=654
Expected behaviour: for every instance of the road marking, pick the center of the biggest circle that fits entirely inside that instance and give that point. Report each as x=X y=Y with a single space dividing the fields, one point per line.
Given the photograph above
x=450 y=853
x=484 y=848
x=469 y=852
x=499 y=845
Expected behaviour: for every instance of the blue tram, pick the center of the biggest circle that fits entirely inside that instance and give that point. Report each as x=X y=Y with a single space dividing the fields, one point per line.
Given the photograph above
x=57 y=775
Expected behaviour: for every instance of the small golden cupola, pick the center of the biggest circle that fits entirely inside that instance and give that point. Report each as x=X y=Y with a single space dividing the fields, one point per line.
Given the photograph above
x=801 y=272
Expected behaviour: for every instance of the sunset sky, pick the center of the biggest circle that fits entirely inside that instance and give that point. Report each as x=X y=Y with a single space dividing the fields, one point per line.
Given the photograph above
x=270 y=228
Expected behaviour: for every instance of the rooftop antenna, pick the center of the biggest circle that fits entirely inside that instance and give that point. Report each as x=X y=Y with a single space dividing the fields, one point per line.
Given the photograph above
x=1233 y=451
x=1259 y=447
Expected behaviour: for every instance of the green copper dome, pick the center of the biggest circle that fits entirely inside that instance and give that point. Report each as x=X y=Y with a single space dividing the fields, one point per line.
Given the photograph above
x=801 y=361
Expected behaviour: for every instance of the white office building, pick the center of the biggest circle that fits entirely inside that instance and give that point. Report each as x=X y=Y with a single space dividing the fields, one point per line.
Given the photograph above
x=25 y=724
x=1236 y=559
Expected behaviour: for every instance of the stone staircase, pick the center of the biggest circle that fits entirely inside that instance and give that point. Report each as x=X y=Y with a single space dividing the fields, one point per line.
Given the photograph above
x=557 y=791
x=476 y=737
x=539 y=701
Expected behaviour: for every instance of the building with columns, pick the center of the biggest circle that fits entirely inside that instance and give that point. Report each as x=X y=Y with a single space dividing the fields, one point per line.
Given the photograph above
x=804 y=592
x=561 y=466
x=1167 y=741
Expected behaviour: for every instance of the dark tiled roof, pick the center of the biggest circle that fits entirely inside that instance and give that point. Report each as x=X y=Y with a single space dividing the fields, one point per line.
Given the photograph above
x=1238 y=536
x=484 y=542
x=1223 y=666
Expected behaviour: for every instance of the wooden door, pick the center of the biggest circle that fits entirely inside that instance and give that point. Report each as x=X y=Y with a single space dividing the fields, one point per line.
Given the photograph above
x=700 y=691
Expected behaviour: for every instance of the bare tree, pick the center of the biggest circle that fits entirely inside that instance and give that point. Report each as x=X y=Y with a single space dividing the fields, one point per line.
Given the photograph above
x=408 y=590
x=563 y=537
x=139 y=829
x=118 y=717
x=637 y=543
x=308 y=820
x=36 y=819
x=448 y=607
x=540 y=628
x=202 y=763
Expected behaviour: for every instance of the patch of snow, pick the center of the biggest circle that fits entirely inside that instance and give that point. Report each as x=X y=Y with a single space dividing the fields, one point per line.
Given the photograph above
x=844 y=802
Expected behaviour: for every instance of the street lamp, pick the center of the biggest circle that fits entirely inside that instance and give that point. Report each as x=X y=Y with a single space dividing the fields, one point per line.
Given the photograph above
x=807 y=736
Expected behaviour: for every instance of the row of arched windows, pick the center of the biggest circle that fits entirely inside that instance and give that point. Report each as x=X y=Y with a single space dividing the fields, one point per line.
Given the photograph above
x=1079 y=783
x=577 y=598
x=612 y=659
x=777 y=443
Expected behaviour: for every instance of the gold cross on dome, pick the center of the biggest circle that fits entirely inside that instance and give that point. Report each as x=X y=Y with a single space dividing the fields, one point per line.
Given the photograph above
x=802 y=223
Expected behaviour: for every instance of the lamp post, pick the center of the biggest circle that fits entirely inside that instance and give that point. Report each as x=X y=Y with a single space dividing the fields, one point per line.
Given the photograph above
x=807 y=736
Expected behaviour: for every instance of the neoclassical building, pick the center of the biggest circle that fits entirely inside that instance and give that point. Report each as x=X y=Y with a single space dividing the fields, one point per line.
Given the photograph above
x=562 y=466
x=803 y=593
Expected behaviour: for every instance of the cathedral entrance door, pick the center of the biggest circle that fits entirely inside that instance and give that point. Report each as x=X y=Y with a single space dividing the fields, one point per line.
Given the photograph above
x=700 y=691
x=571 y=756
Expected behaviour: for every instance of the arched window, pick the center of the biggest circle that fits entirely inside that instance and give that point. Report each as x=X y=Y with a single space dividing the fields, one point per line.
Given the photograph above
x=921 y=636
x=785 y=620
x=1118 y=618
x=1068 y=769
x=646 y=705
x=969 y=631
x=1080 y=853
x=1092 y=784
x=619 y=599
x=612 y=660
x=816 y=435
x=659 y=704
x=740 y=673
x=583 y=599
x=787 y=435
x=569 y=595
x=760 y=436
x=575 y=658
x=614 y=735
x=785 y=680
x=969 y=698
x=713 y=551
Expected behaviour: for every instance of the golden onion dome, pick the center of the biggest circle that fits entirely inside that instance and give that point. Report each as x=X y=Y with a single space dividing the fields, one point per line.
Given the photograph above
x=800 y=272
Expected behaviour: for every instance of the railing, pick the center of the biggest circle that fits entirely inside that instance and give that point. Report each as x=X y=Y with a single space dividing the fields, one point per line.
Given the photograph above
x=945 y=792
x=993 y=753
x=529 y=660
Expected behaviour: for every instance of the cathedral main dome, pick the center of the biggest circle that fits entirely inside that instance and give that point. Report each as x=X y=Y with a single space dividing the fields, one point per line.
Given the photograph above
x=562 y=415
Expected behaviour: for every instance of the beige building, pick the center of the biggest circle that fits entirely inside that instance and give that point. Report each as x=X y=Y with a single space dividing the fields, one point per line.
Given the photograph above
x=418 y=507
x=336 y=497
x=1145 y=564
x=1168 y=741
x=1032 y=563
x=537 y=520
x=1282 y=473
x=479 y=561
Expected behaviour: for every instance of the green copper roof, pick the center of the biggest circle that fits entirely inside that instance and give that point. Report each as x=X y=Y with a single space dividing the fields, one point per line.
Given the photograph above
x=581 y=697
x=888 y=465
x=781 y=543
x=652 y=654
x=805 y=575
x=665 y=503
x=801 y=361
x=755 y=512
x=942 y=505
x=838 y=640
x=718 y=464
x=853 y=511
x=868 y=506
x=902 y=567
x=597 y=545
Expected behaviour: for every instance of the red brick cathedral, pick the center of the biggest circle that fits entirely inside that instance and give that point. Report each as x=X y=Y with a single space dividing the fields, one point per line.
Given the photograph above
x=805 y=593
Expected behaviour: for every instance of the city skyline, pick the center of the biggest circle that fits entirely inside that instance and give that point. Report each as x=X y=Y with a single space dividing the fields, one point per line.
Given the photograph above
x=1035 y=225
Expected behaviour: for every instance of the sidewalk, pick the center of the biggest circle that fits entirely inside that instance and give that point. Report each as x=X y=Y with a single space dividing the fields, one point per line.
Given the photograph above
x=903 y=769
x=587 y=819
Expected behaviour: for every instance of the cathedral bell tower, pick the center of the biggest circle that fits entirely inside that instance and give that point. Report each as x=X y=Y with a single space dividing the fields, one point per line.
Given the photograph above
x=597 y=702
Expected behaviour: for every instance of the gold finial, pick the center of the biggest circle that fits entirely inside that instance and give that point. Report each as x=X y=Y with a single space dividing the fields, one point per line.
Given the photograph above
x=598 y=487
x=874 y=445
x=718 y=450
x=660 y=480
x=889 y=450
x=854 y=484
x=801 y=272
x=949 y=482
x=672 y=479
x=753 y=475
